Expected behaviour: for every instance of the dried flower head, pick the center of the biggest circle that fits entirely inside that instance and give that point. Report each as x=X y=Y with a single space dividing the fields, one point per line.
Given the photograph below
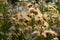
x=36 y=33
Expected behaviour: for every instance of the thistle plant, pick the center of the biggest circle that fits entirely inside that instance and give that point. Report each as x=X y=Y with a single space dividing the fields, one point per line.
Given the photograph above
x=30 y=26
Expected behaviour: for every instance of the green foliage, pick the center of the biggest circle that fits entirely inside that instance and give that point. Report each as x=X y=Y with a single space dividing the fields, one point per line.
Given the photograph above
x=59 y=35
x=38 y=38
x=6 y=22
x=32 y=22
x=37 y=1
x=58 y=5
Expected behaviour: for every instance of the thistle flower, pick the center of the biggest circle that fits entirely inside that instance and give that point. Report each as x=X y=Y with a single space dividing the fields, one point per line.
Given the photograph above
x=39 y=12
x=42 y=28
x=12 y=28
x=32 y=10
x=27 y=20
x=55 y=38
x=36 y=18
x=35 y=28
x=29 y=5
x=14 y=19
x=19 y=31
x=28 y=28
x=36 y=33
x=53 y=33
x=44 y=35
x=30 y=15
x=46 y=24
x=25 y=24
x=21 y=20
x=46 y=16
